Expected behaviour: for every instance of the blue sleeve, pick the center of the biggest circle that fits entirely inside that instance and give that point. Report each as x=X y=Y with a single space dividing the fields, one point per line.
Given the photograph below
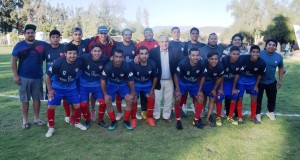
x=280 y=64
x=262 y=68
x=16 y=50
x=130 y=73
x=54 y=68
x=220 y=70
x=104 y=73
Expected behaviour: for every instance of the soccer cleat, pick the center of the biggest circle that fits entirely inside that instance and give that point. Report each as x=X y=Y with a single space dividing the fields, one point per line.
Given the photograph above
x=198 y=124
x=102 y=124
x=232 y=121
x=127 y=125
x=26 y=126
x=271 y=116
x=182 y=113
x=113 y=126
x=133 y=123
x=240 y=121
x=211 y=121
x=144 y=115
x=179 y=125
x=258 y=118
x=67 y=119
x=219 y=122
x=255 y=120
x=138 y=116
x=39 y=123
x=50 y=132
x=93 y=116
x=88 y=124
x=119 y=116
x=80 y=126
x=151 y=122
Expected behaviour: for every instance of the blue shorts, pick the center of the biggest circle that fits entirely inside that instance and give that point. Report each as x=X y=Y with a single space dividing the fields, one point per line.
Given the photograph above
x=208 y=87
x=121 y=89
x=85 y=91
x=248 y=87
x=71 y=95
x=191 y=88
x=227 y=88
x=145 y=87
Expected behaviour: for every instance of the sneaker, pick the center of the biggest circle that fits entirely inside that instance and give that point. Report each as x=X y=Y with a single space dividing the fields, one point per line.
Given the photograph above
x=133 y=123
x=219 y=122
x=240 y=121
x=127 y=125
x=211 y=121
x=184 y=108
x=232 y=121
x=102 y=124
x=179 y=125
x=271 y=116
x=138 y=116
x=67 y=119
x=26 y=126
x=88 y=124
x=198 y=124
x=93 y=116
x=285 y=72
x=182 y=113
x=151 y=122
x=113 y=126
x=258 y=118
x=50 y=132
x=255 y=120
x=39 y=123
x=144 y=115
x=80 y=126
x=119 y=116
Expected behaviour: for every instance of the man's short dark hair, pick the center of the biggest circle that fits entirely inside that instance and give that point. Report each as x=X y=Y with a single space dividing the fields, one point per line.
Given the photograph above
x=126 y=30
x=212 y=53
x=70 y=47
x=142 y=48
x=194 y=29
x=235 y=48
x=271 y=40
x=96 y=45
x=237 y=35
x=212 y=34
x=254 y=47
x=118 y=50
x=54 y=32
x=193 y=49
x=174 y=29
x=148 y=29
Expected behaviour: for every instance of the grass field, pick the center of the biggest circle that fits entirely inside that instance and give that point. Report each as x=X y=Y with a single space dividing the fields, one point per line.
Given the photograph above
x=270 y=140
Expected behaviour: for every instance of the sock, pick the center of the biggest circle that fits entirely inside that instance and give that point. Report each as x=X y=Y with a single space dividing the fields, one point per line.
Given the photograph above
x=50 y=116
x=112 y=116
x=150 y=102
x=126 y=115
x=198 y=110
x=67 y=108
x=134 y=110
x=101 y=109
x=77 y=115
x=239 y=109
x=85 y=111
x=183 y=99
x=219 y=109
x=119 y=103
x=253 y=109
x=232 y=108
x=177 y=111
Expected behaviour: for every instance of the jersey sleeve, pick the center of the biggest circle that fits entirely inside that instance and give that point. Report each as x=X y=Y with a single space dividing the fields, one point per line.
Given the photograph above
x=129 y=73
x=105 y=72
x=54 y=68
x=280 y=64
x=262 y=67
x=220 y=70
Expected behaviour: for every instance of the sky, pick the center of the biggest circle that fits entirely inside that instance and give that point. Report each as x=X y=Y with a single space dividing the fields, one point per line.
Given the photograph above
x=197 y=13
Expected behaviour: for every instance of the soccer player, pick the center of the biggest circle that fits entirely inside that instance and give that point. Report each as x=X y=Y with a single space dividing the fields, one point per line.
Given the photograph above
x=251 y=72
x=92 y=66
x=193 y=43
x=268 y=81
x=117 y=78
x=65 y=70
x=129 y=48
x=212 y=76
x=27 y=66
x=187 y=78
x=231 y=64
x=145 y=79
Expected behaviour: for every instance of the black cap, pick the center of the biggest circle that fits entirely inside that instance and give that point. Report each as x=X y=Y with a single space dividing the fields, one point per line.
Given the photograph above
x=29 y=26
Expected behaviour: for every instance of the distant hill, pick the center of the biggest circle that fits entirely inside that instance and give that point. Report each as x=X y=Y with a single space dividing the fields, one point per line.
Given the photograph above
x=206 y=30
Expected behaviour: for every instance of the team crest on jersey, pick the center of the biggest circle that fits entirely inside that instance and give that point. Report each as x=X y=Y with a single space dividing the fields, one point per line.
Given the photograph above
x=103 y=73
x=137 y=73
x=255 y=69
x=64 y=73
x=100 y=67
x=242 y=68
x=83 y=49
x=275 y=61
x=227 y=69
x=130 y=74
x=48 y=56
x=155 y=46
x=149 y=72
x=62 y=54
x=76 y=69
x=237 y=68
x=182 y=49
x=88 y=66
x=187 y=72
x=121 y=75
x=133 y=52
x=197 y=71
x=215 y=74
x=178 y=69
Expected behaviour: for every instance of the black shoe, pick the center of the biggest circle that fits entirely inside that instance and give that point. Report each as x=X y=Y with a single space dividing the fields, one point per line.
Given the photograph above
x=102 y=124
x=127 y=125
x=179 y=125
x=88 y=124
x=211 y=121
x=113 y=126
x=198 y=124
x=182 y=113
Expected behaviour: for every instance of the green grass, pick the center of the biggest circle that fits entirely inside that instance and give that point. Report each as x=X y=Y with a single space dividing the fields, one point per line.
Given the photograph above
x=270 y=140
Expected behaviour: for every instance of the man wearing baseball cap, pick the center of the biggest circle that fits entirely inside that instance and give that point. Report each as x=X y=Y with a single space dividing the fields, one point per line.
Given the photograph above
x=27 y=64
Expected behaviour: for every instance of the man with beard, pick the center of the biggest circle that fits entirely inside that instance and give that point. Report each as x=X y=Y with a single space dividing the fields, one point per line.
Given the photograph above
x=212 y=46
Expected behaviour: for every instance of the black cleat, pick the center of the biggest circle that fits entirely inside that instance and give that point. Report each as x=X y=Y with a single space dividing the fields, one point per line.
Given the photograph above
x=179 y=125
x=102 y=124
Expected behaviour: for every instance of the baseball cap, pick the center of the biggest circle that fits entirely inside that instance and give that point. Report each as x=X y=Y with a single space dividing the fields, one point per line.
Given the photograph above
x=29 y=26
x=102 y=29
x=76 y=29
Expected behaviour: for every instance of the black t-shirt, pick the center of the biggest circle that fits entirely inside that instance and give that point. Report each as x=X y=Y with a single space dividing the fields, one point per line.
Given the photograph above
x=212 y=73
x=117 y=75
x=144 y=74
x=230 y=69
x=187 y=73
x=250 y=68
x=129 y=51
x=189 y=45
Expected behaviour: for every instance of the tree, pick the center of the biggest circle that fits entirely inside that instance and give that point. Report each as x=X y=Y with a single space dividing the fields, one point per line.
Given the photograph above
x=280 y=30
x=8 y=15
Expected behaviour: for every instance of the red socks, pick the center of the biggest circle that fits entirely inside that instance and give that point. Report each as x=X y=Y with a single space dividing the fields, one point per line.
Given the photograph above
x=232 y=108
x=112 y=116
x=253 y=109
x=85 y=111
x=77 y=115
x=219 y=109
x=50 y=116
x=150 y=101
x=67 y=108
x=134 y=110
x=119 y=103
x=101 y=109
x=177 y=111
x=127 y=115
x=183 y=99
x=239 y=109
x=198 y=110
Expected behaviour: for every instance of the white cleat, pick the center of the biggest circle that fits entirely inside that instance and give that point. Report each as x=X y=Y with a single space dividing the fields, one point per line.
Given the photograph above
x=80 y=126
x=67 y=119
x=138 y=116
x=271 y=116
x=119 y=116
x=50 y=132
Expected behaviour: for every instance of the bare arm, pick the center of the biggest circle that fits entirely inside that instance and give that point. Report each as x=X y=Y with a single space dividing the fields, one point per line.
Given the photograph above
x=280 y=75
x=14 y=67
x=257 y=82
x=50 y=89
x=236 y=78
x=153 y=86
x=107 y=98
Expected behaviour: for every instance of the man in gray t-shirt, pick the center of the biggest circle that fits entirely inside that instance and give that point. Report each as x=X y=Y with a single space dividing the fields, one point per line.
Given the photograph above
x=212 y=46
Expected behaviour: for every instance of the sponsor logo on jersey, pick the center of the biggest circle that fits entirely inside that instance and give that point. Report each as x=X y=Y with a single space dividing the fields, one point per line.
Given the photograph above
x=133 y=52
x=103 y=73
x=129 y=75
x=178 y=69
x=64 y=73
x=83 y=49
x=197 y=71
x=215 y=74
